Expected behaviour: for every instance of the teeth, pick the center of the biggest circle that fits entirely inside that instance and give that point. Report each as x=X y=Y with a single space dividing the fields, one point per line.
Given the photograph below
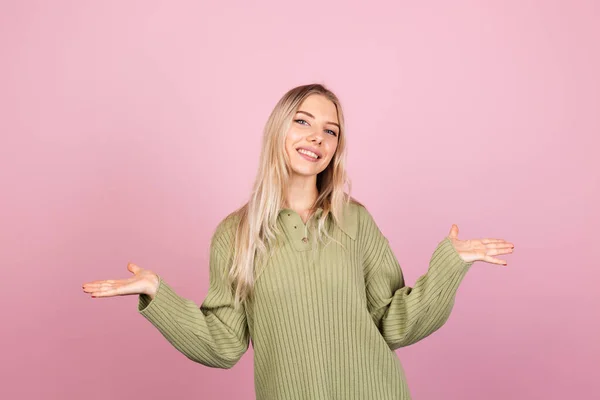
x=308 y=153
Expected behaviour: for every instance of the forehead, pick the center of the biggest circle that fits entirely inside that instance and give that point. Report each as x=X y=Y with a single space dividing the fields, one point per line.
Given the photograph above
x=319 y=106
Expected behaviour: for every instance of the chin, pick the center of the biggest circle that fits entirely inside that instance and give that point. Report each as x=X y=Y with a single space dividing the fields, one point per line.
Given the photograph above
x=306 y=171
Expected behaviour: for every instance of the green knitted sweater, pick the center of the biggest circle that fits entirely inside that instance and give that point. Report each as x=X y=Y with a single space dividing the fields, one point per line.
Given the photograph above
x=323 y=325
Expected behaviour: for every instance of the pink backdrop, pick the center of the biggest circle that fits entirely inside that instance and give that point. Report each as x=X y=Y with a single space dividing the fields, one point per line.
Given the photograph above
x=129 y=129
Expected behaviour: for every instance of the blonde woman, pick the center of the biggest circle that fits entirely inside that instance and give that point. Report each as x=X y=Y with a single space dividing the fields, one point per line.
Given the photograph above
x=304 y=273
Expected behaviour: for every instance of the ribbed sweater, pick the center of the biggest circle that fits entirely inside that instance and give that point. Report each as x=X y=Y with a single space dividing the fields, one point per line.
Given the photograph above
x=323 y=325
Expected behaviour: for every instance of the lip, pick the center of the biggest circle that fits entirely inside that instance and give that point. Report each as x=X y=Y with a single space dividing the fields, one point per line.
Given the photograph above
x=317 y=152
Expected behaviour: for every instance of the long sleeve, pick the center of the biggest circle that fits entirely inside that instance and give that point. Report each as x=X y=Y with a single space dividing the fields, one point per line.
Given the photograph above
x=214 y=334
x=403 y=314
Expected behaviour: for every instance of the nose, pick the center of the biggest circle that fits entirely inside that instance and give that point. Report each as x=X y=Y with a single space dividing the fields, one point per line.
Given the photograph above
x=316 y=136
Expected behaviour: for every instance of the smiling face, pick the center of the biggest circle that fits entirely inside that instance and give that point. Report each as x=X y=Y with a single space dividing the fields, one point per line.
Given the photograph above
x=315 y=127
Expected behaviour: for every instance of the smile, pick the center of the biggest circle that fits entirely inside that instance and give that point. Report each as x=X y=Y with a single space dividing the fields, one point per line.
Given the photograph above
x=308 y=155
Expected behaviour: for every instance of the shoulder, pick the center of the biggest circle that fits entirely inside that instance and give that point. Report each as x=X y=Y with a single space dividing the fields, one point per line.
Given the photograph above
x=366 y=226
x=358 y=211
x=228 y=225
x=223 y=237
x=355 y=218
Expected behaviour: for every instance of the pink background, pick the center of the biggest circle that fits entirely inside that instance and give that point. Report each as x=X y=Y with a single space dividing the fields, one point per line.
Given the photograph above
x=129 y=129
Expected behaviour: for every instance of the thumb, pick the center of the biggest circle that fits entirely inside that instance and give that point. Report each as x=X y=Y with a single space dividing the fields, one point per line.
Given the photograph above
x=133 y=268
x=453 y=231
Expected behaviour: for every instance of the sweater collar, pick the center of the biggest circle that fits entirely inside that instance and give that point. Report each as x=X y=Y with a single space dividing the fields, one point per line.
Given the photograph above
x=349 y=224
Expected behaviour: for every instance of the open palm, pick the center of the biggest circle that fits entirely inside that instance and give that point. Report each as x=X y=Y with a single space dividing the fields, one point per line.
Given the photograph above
x=143 y=281
x=480 y=249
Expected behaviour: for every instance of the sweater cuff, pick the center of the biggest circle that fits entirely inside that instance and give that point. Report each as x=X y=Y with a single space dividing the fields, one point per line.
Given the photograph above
x=165 y=304
x=447 y=252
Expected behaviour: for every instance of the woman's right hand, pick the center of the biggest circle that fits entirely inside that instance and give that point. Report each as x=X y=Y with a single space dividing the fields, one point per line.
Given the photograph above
x=143 y=282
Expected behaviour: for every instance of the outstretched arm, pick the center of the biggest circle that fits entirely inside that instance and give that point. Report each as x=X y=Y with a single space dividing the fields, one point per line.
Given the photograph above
x=403 y=314
x=214 y=334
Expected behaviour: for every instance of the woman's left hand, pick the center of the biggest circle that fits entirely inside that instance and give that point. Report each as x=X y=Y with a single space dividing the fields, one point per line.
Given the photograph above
x=480 y=249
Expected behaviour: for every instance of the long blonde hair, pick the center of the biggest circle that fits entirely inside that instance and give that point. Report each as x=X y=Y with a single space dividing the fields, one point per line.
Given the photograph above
x=257 y=229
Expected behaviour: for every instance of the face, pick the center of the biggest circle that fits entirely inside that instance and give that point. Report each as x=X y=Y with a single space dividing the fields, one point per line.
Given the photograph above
x=315 y=127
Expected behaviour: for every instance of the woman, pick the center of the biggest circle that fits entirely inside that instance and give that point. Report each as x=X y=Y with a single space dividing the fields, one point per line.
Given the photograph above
x=304 y=273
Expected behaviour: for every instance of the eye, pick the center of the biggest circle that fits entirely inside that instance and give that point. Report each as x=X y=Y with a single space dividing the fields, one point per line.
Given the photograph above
x=303 y=122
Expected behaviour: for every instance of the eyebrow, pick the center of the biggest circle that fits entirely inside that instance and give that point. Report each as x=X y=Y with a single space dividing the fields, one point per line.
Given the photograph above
x=313 y=117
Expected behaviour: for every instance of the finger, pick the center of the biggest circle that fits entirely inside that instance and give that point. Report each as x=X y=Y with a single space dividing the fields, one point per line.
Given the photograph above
x=493 y=241
x=108 y=282
x=500 y=251
x=502 y=246
x=94 y=287
x=98 y=282
x=493 y=260
x=497 y=244
x=107 y=291
x=133 y=268
x=102 y=288
x=97 y=287
x=90 y=287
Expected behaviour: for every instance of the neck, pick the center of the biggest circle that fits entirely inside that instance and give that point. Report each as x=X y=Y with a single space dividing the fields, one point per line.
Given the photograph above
x=301 y=192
